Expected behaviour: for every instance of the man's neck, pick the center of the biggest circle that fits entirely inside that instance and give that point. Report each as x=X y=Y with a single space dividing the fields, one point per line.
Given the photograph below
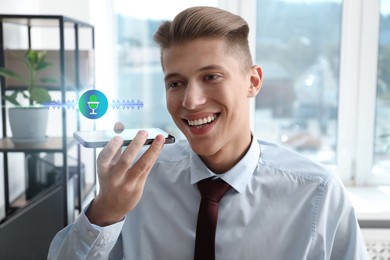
x=227 y=158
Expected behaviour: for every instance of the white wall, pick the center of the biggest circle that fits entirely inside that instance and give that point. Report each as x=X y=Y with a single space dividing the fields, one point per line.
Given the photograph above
x=19 y=6
x=77 y=9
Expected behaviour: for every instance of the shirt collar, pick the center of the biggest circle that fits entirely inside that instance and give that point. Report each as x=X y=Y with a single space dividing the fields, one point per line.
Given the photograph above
x=237 y=177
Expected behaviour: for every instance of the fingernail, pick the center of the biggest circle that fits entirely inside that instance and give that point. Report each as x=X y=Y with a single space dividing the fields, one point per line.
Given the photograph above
x=160 y=139
x=143 y=133
x=117 y=139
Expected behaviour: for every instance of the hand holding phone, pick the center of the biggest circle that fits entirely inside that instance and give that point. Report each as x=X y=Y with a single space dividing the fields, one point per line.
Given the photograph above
x=122 y=178
x=99 y=138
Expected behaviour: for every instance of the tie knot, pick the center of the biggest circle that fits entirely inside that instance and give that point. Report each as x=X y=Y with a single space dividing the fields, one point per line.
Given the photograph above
x=213 y=190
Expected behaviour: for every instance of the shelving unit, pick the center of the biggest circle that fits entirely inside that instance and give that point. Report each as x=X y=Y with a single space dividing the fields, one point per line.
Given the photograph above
x=59 y=176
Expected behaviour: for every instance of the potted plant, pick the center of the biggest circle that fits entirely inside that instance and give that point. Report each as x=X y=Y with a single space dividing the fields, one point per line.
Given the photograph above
x=29 y=123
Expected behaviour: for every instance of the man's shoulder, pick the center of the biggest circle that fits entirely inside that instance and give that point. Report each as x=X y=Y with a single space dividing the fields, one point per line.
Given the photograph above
x=282 y=160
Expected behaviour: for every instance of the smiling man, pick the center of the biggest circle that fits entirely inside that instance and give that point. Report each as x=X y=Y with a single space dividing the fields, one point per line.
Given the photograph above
x=221 y=194
x=208 y=96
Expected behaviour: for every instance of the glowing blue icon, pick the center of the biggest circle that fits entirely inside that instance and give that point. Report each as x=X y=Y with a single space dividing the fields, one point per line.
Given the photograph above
x=93 y=104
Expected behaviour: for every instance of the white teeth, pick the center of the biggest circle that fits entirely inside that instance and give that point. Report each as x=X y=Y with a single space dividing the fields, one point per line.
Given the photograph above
x=201 y=121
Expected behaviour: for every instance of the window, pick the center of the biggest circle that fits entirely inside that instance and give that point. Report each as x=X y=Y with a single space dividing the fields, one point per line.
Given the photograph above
x=382 y=120
x=298 y=45
x=326 y=89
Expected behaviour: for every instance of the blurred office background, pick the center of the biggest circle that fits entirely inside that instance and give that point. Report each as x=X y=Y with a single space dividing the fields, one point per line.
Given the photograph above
x=326 y=89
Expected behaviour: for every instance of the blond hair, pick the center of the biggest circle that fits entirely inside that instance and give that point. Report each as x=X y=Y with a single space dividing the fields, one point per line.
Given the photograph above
x=207 y=22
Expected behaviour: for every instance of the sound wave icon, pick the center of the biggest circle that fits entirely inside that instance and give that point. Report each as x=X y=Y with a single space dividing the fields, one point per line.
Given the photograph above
x=72 y=104
x=127 y=104
x=57 y=104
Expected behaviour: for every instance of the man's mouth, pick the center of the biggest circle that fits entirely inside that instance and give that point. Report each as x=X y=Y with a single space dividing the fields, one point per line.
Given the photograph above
x=201 y=122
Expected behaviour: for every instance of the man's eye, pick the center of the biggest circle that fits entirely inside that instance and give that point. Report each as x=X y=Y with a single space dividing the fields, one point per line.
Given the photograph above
x=211 y=77
x=174 y=84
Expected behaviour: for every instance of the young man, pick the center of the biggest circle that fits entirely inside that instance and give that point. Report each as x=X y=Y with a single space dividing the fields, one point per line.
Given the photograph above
x=278 y=205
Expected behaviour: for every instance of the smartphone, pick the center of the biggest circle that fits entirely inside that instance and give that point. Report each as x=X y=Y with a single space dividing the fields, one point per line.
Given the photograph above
x=99 y=138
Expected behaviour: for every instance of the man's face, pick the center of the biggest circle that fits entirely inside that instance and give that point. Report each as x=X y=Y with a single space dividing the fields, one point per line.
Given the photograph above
x=207 y=92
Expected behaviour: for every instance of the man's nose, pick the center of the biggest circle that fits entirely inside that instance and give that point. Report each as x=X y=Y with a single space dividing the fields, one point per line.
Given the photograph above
x=194 y=96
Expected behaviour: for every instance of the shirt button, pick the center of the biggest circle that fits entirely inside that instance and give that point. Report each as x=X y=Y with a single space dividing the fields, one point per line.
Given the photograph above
x=90 y=233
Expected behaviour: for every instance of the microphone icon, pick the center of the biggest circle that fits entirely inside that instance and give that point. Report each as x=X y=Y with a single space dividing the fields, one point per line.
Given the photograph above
x=93 y=103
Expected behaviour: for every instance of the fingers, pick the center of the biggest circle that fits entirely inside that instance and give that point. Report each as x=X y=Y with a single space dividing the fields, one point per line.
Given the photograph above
x=112 y=156
x=109 y=152
x=118 y=128
x=131 y=151
x=117 y=156
x=143 y=166
x=120 y=173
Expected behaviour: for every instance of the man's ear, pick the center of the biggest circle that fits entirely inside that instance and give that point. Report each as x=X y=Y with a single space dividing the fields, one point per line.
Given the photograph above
x=256 y=81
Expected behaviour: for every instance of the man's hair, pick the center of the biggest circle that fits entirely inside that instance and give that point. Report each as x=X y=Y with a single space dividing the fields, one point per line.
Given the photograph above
x=207 y=22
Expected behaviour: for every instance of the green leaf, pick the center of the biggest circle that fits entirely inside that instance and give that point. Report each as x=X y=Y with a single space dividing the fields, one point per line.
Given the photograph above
x=14 y=94
x=42 y=65
x=48 y=80
x=41 y=56
x=34 y=60
x=12 y=98
x=40 y=95
x=25 y=95
x=13 y=101
x=35 y=57
x=32 y=56
x=10 y=74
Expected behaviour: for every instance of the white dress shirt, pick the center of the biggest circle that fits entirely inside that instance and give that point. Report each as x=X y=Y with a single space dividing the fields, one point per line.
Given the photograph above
x=281 y=206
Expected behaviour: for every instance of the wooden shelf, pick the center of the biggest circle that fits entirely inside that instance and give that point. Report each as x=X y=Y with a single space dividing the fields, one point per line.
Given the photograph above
x=52 y=144
x=21 y=201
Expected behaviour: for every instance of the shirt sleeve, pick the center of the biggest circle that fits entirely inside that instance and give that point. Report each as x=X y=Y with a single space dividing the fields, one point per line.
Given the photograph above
x=83 y=240
x=337 y=232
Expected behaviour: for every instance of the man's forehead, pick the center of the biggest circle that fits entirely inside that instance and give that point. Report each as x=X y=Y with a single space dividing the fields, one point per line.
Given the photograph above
x=199 y=44
x=195 y=53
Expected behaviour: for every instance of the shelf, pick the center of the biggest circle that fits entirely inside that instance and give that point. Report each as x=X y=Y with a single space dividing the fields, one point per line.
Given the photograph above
x=52 y=173
x=21 y=202
x=52 y=144
x=70 y=88
x=41 y=20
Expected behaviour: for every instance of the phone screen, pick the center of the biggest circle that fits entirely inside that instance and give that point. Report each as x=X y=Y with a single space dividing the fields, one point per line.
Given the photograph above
x=99 y=138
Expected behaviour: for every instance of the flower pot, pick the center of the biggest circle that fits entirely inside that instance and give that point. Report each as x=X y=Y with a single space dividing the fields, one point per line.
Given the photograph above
x=28 y=124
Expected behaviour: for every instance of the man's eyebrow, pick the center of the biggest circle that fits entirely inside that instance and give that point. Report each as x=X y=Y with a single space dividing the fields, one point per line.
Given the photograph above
x=212 y=67
x=205 y=68
x=171 y=75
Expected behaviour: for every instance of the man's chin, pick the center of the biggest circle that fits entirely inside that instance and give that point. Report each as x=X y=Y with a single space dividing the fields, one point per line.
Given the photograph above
x=202 y=147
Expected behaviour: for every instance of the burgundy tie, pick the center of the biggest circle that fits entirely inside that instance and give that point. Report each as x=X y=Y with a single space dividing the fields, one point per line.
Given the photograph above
x=212 y=192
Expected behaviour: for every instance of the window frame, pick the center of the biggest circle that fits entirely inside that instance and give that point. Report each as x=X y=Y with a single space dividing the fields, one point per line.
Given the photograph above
x=359 y=41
